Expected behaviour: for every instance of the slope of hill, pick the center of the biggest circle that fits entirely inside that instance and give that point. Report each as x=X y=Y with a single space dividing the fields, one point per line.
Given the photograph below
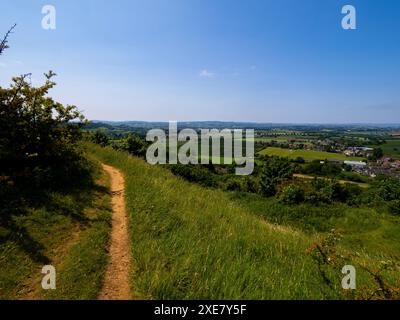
x=68 y=230
x=190 y=242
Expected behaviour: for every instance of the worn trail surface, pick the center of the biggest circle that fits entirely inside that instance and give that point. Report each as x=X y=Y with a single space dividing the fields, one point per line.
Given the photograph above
x=116 y=280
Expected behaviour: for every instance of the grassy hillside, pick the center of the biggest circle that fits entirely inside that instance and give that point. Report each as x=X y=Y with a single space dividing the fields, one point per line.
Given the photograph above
x=197 y=243
x=68 y=230
x=308 y=155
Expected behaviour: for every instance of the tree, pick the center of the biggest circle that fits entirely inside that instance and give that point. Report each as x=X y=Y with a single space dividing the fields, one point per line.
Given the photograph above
x=299 y=160
x=100 y=138
x=387 y=188
x=292 y=195
x=136 y=145
x=37 y=134
x=377 y=154
x=4 y=42
x=275 y=170
x=38 y=137
x=251 y=184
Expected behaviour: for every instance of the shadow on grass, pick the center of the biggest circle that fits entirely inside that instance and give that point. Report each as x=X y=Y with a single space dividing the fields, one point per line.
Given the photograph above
x=18 y=202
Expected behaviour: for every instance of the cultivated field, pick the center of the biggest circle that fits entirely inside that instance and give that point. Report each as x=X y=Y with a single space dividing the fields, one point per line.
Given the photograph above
x=392 y=148
x=308 y=155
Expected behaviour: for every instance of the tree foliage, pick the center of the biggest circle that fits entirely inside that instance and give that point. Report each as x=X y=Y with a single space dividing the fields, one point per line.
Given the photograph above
x=37 y=134
x=100 y=137
x=291 y=195
x=377 y=154
x=132 y=143
x=4 y=41
x=275 y=170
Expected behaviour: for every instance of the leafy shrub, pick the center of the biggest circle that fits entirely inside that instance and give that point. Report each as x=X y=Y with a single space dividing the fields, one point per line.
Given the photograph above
x=299 y=160
x=384 y=191
x=100 y=138
x=328 y=191
x=376 y=154
x=387 y=188
x=322 y=169
x=195 y=174
x=38 y=136
x=119 y=144
x=132 y=143
x=136 y=145
x=351 y=194
x=233 y=185
x=252 y=184
x=292 y=195
x=275 y=170
x=394 y=206
x=330 y=261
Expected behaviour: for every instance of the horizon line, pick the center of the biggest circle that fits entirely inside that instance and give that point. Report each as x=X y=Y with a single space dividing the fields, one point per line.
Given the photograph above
x=252 y=122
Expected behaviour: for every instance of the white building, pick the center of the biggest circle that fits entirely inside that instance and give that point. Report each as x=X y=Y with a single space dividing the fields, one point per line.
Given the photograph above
x=356 y=164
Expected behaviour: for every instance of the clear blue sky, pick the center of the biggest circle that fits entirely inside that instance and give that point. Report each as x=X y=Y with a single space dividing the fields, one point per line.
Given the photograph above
x=263 y=61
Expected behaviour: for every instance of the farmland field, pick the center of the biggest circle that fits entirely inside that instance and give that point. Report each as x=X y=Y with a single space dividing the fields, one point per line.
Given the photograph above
x=392 y=148
x=283 y=139
x=308 y=155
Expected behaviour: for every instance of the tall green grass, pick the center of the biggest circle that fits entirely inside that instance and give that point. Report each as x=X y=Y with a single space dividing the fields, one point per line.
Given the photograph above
x=190 y=242
x=368 y=231
x=68 y=230
x=82 y=269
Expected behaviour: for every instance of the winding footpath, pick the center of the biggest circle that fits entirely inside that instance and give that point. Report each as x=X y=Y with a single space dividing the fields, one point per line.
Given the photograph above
x=116 y=281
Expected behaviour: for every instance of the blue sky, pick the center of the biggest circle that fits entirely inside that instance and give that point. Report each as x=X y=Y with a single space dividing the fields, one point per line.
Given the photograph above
x=262 y=61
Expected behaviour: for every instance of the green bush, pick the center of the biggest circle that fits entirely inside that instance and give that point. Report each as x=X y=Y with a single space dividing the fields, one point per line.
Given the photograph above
x=394 y=206
x=132 y=144
x=252 y=184
x=322 y=169
x=233 y=185
x=136 y=145
x=292 y=195
x=352 y=193
x=329 y=191
x=275 y=170
x=38 y=136
x=387 y=188
x=299 y=160
x=100 y=138
x=196 y=174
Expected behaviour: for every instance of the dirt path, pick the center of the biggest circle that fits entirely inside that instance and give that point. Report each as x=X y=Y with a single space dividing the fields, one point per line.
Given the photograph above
x=116 y=281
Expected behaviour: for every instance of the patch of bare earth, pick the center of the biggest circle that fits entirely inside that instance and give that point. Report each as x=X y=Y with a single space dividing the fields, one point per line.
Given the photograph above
x=116 y=281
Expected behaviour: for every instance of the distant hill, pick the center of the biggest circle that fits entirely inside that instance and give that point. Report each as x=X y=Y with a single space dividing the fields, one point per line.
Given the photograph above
x=239 y=125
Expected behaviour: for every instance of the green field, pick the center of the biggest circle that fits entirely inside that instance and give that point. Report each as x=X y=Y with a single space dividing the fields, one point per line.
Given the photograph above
x=391 y=148
x=308 y=155
x=285 y=139
x=191 y=242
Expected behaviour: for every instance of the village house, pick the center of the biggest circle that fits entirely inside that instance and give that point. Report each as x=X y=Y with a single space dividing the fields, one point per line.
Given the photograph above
x=385 y=162
x=358 y=152
x=396 y=164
